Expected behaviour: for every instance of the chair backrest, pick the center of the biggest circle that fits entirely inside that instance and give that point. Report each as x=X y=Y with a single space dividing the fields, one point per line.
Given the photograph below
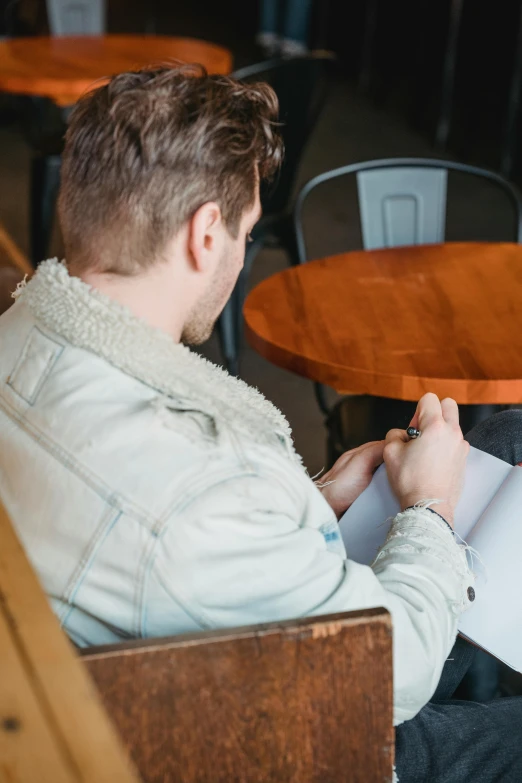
x=76 y=17
x=402 y=201
x=299 y=701
x=301 y=85
x=402 y=206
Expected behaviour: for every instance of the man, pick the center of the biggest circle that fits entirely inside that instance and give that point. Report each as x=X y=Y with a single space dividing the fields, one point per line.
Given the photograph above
x=154 y=493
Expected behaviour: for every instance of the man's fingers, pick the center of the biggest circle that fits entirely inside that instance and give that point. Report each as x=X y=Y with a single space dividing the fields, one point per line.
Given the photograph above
x=450 y=412
x=373 y=454
x=372 y=444
x=396 y=435
x=348 y=455
x=429 y=410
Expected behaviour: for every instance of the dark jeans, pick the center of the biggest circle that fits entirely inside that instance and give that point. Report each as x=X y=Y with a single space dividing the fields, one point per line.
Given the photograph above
x=453 y=741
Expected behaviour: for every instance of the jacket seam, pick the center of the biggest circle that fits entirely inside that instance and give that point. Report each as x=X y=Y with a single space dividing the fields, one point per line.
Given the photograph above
x=201 y=618
x=62 y=456
x=88 y=563
x=106 y=521
x=180 y=505
x=192 y=609
x=197 y=488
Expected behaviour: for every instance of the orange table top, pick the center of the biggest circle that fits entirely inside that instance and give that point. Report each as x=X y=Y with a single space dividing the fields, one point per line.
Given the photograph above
x=62 y=69
x=399 y=322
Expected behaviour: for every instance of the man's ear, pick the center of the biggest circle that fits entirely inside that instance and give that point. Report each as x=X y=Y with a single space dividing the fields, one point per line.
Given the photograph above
x=206 y=236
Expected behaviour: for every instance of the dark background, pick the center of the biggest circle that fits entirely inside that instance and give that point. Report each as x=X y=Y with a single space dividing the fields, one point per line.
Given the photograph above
x=399 y=55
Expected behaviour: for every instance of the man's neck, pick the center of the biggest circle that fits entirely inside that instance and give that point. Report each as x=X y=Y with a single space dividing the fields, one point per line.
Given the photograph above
x=148 y=296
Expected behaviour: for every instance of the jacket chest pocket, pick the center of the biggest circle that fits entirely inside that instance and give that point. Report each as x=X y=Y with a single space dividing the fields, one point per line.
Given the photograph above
x=34 y=365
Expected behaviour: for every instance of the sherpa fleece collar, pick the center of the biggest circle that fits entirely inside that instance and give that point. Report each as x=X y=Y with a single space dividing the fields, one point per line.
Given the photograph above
x=88 y=319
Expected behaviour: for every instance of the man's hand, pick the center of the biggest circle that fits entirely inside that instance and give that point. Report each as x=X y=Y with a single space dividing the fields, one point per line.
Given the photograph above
x=351 y=474
x=433 y=465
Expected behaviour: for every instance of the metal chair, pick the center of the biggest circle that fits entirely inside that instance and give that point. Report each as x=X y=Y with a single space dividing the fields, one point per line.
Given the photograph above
x=46 y=136
x=76 y=17
x=301 y=85
x=402 y=201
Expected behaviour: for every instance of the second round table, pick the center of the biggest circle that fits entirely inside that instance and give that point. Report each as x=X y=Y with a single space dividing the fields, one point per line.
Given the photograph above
x=399 y=322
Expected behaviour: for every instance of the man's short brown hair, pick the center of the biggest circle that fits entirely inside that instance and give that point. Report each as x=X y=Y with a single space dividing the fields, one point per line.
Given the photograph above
x=146 y=150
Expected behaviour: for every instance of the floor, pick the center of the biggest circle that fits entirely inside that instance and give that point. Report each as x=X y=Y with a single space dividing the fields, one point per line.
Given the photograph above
x=351 y=129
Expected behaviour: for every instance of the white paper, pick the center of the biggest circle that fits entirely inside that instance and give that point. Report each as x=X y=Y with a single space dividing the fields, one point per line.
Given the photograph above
x=494 y=621
x=365 y=525
x=489 y=518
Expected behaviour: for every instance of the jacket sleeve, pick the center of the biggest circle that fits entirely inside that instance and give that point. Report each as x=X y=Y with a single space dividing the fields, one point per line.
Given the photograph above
x=243 y=552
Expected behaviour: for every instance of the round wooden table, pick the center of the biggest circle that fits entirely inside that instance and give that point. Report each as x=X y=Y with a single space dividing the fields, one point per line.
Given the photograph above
x=62 y=69
x=399 y=322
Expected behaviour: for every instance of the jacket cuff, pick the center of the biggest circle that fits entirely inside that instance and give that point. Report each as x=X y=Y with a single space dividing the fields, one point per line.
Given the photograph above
x=425 y=535
x=432 y=511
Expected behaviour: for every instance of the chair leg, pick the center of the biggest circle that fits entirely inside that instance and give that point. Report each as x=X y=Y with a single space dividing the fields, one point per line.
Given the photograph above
x=228 y=335
x=320 y=396
x=291 y=246
x=45 y=182
x=240 y=292
x=230 y=322
x=285 y=235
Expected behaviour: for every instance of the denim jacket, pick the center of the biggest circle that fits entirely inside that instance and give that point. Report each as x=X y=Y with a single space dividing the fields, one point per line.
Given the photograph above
x=155 y=494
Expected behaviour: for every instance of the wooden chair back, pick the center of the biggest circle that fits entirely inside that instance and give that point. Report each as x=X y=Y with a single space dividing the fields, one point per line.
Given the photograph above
x=305 y=701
